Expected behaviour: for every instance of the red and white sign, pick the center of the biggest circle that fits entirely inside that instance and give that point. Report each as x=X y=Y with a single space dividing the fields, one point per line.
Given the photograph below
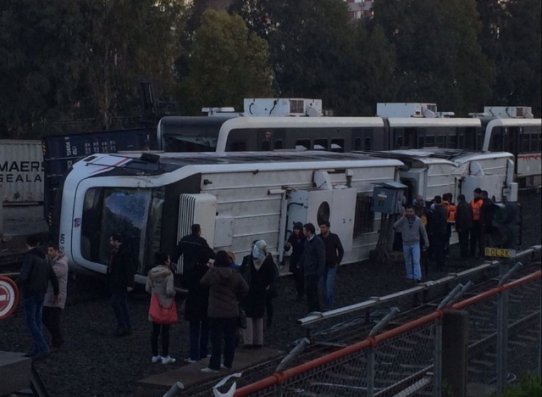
x=9 y=297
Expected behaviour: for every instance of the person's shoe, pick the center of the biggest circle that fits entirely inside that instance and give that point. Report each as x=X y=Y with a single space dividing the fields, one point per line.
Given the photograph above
x=208 y=370
x=168 y=360
x=224 y=367
x=156 y=359
x=190 y=361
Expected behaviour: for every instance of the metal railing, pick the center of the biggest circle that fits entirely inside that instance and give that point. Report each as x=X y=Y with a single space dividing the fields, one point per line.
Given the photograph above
x=499 y=335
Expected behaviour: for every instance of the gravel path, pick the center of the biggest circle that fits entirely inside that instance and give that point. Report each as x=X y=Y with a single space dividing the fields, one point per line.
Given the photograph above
x=96 y=363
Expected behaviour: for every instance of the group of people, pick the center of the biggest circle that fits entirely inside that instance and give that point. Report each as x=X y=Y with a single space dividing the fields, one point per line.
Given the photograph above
x=224 y=298
x=220 y=293
x=43 y=281
x=425 y=229
x=314 y=260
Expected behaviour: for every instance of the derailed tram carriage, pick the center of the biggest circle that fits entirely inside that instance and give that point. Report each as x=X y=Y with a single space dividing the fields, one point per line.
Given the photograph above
x=152 y=199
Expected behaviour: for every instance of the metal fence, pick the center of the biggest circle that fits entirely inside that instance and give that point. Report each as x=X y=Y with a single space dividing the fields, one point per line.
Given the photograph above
x=491 y=339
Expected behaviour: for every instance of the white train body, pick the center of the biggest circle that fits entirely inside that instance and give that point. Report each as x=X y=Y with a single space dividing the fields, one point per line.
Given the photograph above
x=236 y=199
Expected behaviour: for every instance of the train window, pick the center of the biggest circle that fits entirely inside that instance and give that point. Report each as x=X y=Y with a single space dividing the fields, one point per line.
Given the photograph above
x=410 y=137
x=320 y=144
x=398 y=141
x=240 y=140
x=301 y=144
x=364 y=218
x=367 y=144
x=278 y=144
x=496 y=143
x=322 y=215
x=337 y=145
x=451 y=142
x=536 y=143
x=421 y=141
x=267 y=141
x=429 y=140
x=357 y=144
x=524 y=143
x=470 y=138
x=136 y=214
x=237 y=146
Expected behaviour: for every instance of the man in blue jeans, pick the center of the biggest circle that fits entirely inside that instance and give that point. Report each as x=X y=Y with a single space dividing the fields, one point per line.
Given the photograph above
x=334 y=256
x=36 y=273
x=411 y=228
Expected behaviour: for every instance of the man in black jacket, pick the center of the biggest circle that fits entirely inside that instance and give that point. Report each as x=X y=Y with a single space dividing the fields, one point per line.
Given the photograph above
x=35 y=275
x=313 y=265
x=438 y=231
x=463 y=224
x=334 y=256
x=192 y=247
x=120 y=272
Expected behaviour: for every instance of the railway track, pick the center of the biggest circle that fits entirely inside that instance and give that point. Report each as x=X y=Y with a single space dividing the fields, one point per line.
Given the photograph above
x=329 y=337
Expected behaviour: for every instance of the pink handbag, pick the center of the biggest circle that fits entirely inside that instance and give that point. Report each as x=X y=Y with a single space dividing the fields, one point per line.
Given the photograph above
x=160 y=314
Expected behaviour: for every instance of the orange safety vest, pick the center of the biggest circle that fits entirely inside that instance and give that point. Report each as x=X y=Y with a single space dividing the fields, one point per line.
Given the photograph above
x=451 y=213
x=476 y=209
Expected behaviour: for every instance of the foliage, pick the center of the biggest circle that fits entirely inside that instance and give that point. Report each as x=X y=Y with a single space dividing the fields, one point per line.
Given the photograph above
x=39 y=71
x=125 y=40
x=66 y=60
x=226 y=64
x=311 y=48
x=439 y=58
x=529 y=386
x=518 y=70
x=81 y=64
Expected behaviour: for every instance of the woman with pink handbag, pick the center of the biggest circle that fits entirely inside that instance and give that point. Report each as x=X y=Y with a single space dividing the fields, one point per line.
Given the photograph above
x=163 y=308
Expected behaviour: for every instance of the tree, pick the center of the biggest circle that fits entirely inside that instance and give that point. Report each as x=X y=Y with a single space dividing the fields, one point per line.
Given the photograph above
x=66 y=60
x=39 y=70
x=125 y=40
x=518 y=63
x=226 y=64
x=311 y=48
x=439 y=58
x=373 y=61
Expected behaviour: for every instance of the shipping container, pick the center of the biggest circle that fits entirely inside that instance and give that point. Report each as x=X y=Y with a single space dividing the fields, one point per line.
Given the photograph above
x=21 y=172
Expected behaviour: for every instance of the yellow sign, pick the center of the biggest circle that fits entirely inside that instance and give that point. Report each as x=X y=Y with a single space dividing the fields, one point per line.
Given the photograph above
x=500 y=252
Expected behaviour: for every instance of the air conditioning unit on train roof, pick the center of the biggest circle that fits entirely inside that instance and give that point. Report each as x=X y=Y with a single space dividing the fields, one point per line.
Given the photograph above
x=508 y=112
x=406 y=109
x=282 y=107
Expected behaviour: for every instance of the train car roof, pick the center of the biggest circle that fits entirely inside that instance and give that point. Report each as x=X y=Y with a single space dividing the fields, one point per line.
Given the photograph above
x=161 y=162
x=411 y=122
x=301 y=122
x=440 y=155
x=514 y=123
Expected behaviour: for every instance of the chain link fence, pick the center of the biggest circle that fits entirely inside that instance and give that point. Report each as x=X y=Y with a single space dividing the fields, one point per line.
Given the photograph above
x=502 y=341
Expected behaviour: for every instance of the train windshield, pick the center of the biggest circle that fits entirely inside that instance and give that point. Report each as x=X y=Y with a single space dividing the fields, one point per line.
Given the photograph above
x=136 y=214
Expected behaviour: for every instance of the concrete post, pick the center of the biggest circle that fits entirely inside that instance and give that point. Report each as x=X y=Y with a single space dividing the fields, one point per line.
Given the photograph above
x=455 y=339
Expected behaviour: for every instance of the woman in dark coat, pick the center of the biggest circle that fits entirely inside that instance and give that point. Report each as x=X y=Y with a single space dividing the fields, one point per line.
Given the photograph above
x=259 y=271
x=226 y=287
